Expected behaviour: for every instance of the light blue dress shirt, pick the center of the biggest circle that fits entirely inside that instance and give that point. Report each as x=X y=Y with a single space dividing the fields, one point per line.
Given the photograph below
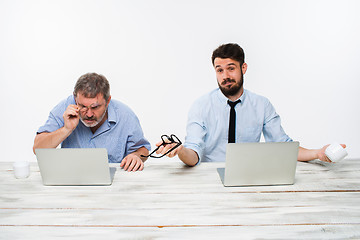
x=208 y=124
x=120 y=134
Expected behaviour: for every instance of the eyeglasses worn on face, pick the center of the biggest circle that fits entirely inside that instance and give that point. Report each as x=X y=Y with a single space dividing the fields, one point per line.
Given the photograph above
x=165 y=141
x=84 y=109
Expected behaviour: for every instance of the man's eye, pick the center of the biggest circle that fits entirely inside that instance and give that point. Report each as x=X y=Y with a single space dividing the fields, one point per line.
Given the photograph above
x=231 y=68
x=219 y=70
x=94 y=108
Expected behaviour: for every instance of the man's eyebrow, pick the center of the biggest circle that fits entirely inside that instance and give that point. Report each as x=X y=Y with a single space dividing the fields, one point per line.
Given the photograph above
x=96 y=104
x=230 y=64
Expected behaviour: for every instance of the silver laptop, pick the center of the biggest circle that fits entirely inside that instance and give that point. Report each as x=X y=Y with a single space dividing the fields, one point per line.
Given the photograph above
x=259 y=164
x=74 y=166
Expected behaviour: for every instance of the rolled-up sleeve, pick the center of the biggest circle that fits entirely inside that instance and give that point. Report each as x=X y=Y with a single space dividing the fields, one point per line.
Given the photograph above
x=55 y=119
x=136 y=137
x=196 y=131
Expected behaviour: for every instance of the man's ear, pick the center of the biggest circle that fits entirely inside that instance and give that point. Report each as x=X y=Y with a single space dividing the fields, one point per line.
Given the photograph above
x=244 y=68
x=107 y=104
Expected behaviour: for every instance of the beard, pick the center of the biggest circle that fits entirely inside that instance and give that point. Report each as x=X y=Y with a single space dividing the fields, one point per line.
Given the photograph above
x=231 y=90
x=92 y=118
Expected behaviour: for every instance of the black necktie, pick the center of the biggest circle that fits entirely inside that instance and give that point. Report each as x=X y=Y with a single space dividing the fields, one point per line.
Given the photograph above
x=232 y=121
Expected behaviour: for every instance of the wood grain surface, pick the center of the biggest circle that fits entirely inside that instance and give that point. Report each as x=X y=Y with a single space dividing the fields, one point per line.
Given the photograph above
x=168 y=200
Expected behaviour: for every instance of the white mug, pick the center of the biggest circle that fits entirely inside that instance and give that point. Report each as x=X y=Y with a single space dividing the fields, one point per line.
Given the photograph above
x=335 y=152
x=21 y=169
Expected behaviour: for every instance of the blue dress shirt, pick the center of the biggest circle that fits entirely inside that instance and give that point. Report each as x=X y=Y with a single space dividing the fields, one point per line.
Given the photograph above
x=120 y=134
x=208 y=124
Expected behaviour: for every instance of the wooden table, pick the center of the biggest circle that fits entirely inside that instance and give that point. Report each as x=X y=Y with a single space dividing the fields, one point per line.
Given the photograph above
x=171 y=201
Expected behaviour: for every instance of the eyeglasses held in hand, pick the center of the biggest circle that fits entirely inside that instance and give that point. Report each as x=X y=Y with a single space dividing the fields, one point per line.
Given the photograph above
x=165 y=141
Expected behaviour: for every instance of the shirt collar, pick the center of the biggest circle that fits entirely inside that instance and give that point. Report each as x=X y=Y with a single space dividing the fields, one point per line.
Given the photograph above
x=223 y=99
x=111 y=113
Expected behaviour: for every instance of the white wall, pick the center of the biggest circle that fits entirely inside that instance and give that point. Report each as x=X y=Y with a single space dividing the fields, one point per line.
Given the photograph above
x=302 y=55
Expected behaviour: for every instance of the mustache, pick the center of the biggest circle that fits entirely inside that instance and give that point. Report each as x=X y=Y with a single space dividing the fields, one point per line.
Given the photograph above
x=89 y=118
x=228 y=80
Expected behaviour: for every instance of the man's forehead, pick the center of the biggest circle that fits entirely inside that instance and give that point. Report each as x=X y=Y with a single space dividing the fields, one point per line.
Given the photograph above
x=82 y=98
x=223 y=62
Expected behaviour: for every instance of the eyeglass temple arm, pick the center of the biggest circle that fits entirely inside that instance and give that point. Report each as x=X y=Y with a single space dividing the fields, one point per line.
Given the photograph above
x=151 y=152
x=150 y=155
x=165 y=143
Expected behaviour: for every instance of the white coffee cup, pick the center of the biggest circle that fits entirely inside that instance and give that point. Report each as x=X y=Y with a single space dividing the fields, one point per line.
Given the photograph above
x=21 y=169
x=335 y=152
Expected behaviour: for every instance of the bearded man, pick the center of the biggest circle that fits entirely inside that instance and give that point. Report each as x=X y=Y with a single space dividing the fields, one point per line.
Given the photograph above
x=229 y=114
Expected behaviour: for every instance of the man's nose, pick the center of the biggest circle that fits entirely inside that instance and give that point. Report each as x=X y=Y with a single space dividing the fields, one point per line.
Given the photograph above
x=89 y=113
x=225 y=74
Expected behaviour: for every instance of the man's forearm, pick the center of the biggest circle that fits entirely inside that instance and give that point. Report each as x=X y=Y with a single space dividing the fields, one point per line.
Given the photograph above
x=307 y=154
x=50 y=140
x=188 y=156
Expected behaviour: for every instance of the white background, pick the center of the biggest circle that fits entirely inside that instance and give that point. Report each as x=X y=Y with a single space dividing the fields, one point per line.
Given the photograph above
x=303 y=55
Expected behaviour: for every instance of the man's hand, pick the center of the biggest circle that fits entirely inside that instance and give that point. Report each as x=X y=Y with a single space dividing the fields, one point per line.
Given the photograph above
x=132 y=162
x=163 y=149
x=53 y=139
x=321 y=153
x=71 y=117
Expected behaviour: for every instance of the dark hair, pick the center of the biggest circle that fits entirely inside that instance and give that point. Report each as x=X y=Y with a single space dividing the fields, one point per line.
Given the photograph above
x=229 y=50
x=91 y=84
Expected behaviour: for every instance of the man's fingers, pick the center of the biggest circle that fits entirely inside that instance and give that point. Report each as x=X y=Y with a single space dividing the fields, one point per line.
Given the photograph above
x=138 y=166
x=71 y=111
x=72 y=114
x=132 y=165
x=168 y=147
x=324 y=158
x=160 y=150
x=174 y=152
x=135 y=167
x=127 y=163
x=164 y=149
x=141 y=166
x=122 y=163
x=73 y=108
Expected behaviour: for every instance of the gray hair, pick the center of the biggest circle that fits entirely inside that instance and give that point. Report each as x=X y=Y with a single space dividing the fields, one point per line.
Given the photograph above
x=91 y=84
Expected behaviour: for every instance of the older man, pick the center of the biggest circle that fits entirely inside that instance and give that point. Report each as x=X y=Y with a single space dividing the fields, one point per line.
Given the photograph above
x=91 y=119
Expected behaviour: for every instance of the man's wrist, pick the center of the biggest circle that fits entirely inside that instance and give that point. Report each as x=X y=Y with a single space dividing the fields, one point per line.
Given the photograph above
x=138 y=155
x=188 y=156
x=66 y=132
